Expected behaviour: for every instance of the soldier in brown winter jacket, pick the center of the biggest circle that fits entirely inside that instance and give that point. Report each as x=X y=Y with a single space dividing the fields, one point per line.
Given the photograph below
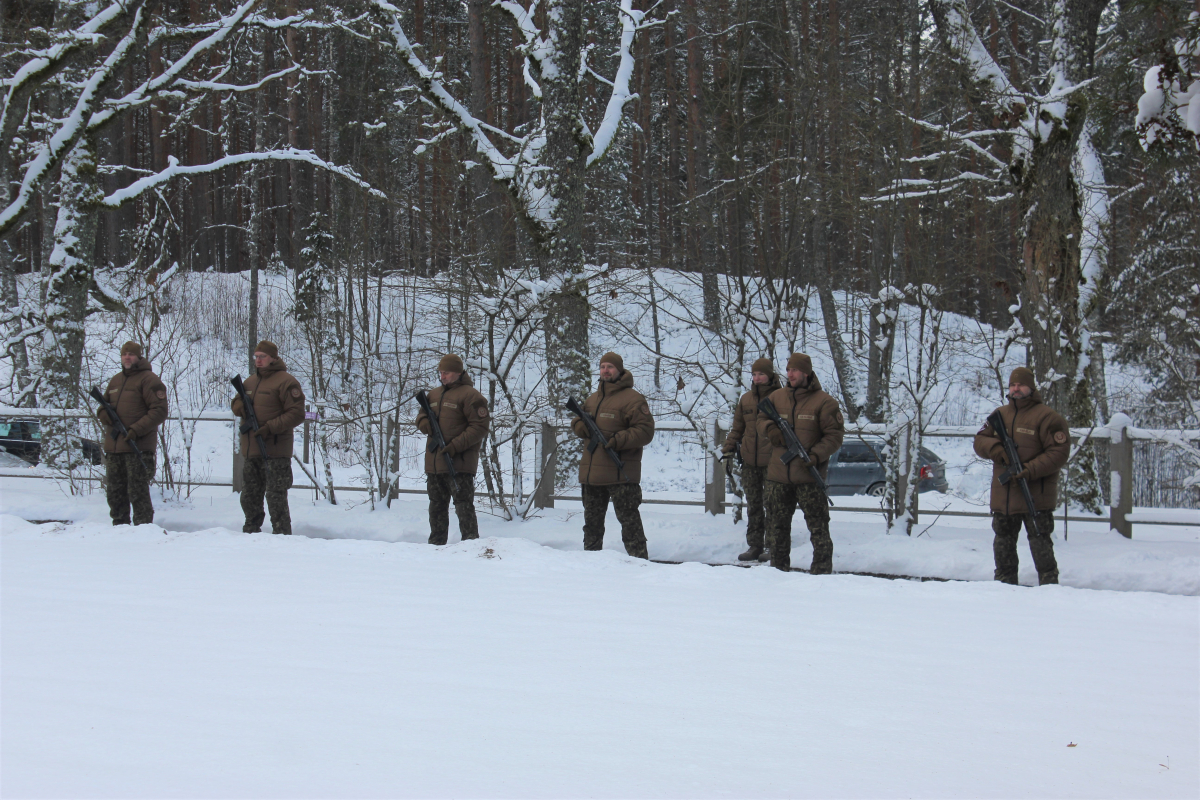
x=462 y=413
x=140 y=400
x=623 y=415
x=755 y=454
x=1043 y=442
x=820 y=427
x=278 y=404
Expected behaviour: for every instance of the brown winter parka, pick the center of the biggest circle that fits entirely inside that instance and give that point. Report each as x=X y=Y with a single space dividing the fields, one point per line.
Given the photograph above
x=623 y=415
x=464 y=418
x=756 y=450
x=140 y=400
x=279 y=406
x=818 y=423
x=1043 y=443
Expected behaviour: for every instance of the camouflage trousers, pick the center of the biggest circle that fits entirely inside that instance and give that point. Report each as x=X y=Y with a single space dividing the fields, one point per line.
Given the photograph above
x=626 y=497
x=272 y=479
x=442 y=489
x=758 y=536
x=780 y=502
x=127 y=483
x=1007 y=528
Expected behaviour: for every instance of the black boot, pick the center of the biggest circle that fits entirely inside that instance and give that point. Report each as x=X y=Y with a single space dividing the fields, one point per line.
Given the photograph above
x=753 y=554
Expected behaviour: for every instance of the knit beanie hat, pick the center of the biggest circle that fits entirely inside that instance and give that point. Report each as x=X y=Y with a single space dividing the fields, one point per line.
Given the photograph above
x=764 y=366
x=1023 y=375
x=801 y=362
x=132 y=348
x=267 y=347
x=451 y=363
x=614 y=359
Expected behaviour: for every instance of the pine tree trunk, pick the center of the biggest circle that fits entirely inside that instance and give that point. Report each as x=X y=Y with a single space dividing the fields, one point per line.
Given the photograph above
x=561 y=252
x=10 y=299
x=1050 y=205
x=72 y=266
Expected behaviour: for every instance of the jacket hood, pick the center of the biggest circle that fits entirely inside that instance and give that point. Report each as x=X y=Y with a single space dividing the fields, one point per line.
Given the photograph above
x=625 y=381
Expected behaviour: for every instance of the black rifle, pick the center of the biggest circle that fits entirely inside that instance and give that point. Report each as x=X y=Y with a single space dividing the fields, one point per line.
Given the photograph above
x=118 y=427
x=794 y=447
x=250 y=421
x=596 y=437
x=437 y=441
x=1014 y=463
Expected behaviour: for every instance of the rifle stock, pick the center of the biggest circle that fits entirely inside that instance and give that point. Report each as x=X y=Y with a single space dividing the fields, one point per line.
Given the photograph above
x=1014 y=463
x=795 y=447
x=117 y=425
x=251 y=419
x=438 y=440
x=596 y=436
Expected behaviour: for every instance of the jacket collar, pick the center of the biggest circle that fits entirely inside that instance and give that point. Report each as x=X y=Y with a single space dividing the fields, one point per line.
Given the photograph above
x=138 y=366
x=766 y=389
x=624 y=381
x=812 y=387
x=276 y=366
x=1026 y=403
x=463 y=380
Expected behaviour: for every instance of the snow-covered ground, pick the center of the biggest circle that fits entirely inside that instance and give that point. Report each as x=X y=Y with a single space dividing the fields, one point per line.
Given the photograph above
x=353 y=661
x=200 y=662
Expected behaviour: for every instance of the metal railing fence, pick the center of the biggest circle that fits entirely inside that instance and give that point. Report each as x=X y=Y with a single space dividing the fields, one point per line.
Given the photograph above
x=1119 y=435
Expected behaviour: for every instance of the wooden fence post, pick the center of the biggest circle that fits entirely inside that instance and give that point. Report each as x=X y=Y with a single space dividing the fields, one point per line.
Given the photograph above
x=393 y=434
x=903 y=465
x=237 y=456
x=1120 y=456
x=306 y=434
x=543 y=496
x=714 y=487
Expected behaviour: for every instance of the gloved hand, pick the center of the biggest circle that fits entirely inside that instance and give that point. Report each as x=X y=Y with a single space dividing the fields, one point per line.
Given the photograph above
x=997 y=455
x=775 y=435
x=806 y=462
x=447 y=450
x=611 y=444
x=1022 y=475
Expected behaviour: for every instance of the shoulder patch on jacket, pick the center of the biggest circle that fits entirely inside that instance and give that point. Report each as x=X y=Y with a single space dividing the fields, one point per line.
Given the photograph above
x=982 y=428
x=161 y=394
x=296 y=392
x=1060 y=437
x=483 y=412
x=645 y=408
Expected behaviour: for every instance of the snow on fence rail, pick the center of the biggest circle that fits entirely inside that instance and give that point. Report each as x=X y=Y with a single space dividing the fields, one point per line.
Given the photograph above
x=1118 y=432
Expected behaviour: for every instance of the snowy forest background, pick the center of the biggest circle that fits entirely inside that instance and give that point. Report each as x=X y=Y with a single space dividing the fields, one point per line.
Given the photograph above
x=922 y=192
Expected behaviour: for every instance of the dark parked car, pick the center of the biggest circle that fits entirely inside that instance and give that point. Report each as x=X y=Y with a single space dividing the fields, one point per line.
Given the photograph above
x=857 y=468
x=23 y=438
